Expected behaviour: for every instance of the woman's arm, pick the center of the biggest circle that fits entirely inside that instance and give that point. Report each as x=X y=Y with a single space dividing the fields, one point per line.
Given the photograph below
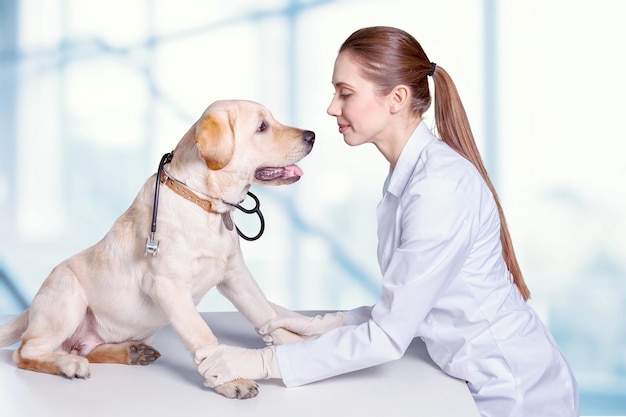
x=437 y=235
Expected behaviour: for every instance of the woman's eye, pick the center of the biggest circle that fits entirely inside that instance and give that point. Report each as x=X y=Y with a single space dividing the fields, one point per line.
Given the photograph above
x=345 y=93
x=262 y=126
x=342 y=94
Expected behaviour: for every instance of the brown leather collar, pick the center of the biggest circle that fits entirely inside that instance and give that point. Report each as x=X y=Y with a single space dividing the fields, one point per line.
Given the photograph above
x=183 y=191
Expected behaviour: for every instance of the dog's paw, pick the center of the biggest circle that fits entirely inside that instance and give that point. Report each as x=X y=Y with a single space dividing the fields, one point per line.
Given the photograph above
x=73 y=366
x=142 y=354
x=239 y=388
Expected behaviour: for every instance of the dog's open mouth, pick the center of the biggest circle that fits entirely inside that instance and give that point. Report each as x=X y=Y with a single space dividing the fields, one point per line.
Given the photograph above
x=290 y=173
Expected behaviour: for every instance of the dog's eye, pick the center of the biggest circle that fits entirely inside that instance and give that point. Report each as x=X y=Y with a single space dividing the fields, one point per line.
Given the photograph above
x=262 y=126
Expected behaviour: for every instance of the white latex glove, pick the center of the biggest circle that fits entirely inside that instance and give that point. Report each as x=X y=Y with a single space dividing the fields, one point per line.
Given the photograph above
x=219 y=364
x=301 y=324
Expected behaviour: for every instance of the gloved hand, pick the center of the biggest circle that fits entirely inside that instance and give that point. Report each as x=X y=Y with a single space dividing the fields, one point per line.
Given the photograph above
x=301 y=324
x=219 y=364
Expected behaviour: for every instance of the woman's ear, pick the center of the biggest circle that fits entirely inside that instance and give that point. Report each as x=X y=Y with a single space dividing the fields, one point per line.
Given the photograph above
x=398 y=97
x=215 y=138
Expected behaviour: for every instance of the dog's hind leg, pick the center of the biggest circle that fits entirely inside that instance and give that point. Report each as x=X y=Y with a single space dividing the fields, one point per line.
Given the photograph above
x=69 y=366
x=126 y=353
x=56 y=312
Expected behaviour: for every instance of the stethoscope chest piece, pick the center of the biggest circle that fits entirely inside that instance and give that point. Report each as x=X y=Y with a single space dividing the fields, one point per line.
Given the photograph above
x=152 y=246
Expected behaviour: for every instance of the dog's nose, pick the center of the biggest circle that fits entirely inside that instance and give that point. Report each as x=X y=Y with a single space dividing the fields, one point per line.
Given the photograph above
x=309 y=137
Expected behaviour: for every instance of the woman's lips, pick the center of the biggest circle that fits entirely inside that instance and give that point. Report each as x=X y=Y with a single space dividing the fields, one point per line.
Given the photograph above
x=343 y=128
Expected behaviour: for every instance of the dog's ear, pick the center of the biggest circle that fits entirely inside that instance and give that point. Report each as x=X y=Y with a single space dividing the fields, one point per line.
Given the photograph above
x=215 y=138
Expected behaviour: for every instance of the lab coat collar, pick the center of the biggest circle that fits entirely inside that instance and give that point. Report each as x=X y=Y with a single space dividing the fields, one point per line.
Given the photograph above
x=399 y=177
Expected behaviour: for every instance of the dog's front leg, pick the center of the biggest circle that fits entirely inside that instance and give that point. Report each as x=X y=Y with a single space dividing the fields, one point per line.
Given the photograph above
x=176 y=303
x=242 y=290
x=178 y=306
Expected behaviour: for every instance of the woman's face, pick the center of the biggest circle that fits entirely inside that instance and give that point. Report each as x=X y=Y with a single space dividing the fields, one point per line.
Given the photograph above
x=362 y=114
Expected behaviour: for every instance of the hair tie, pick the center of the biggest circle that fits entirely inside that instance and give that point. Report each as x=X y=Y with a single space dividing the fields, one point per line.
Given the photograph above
x=432 y=69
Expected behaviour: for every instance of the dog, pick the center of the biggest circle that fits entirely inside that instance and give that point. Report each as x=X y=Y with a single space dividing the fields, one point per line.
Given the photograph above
x=104 y=304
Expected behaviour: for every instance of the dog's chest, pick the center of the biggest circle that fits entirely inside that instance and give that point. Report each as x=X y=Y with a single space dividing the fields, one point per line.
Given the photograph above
x=210 y=265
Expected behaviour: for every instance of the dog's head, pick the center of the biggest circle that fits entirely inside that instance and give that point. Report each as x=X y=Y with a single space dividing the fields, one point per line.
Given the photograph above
x=237 y=143
x=243 y=138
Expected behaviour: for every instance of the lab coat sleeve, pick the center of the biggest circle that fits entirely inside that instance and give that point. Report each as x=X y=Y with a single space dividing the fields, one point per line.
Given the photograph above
x=359 y=315
x=436 y=237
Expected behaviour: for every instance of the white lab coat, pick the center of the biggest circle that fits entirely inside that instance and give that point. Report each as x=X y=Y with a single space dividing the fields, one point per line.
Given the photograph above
x=444 y=280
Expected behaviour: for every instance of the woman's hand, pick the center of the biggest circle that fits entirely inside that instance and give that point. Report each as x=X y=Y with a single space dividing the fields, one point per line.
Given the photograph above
x=300 y=324
x=219 y=364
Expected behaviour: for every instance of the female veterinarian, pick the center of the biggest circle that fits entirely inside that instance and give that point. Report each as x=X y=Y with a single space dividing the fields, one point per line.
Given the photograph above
x=450 y=275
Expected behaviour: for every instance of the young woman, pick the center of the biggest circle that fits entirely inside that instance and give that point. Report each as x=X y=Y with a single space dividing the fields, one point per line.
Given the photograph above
x=450 y=275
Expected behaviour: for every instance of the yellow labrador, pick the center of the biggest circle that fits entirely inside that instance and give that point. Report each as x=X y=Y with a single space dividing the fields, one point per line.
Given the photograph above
x=105 y=303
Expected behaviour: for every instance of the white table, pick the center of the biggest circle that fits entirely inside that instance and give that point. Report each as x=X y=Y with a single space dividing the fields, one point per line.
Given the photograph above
x=411 y=386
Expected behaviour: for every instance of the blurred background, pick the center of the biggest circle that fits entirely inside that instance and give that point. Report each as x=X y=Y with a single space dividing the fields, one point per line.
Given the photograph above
x=92 y=94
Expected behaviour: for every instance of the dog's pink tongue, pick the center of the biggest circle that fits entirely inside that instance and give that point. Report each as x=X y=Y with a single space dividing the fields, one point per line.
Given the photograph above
x=292 y=171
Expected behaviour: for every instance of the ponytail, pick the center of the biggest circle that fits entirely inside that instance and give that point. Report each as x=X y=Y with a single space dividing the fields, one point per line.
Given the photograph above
x=454 y=129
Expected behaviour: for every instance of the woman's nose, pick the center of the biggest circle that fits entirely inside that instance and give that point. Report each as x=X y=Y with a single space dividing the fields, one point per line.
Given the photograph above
x=333 y=109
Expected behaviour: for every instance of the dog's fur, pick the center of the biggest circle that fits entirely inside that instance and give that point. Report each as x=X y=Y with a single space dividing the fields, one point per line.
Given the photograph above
x=105 y=303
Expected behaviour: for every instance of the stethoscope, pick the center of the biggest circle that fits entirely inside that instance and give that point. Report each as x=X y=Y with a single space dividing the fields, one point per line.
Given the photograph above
x=152 y=245
x=256 y=210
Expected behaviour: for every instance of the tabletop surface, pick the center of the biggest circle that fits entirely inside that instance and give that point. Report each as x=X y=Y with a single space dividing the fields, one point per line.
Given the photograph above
x=411 y=386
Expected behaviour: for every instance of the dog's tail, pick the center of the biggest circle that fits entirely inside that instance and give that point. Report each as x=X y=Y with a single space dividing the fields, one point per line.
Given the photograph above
x=12 y=331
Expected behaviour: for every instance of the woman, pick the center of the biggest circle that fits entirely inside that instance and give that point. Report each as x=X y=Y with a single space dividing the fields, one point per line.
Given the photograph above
x=450 y=275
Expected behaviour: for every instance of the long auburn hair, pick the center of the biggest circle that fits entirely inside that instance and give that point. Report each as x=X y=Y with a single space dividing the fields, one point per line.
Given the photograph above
x=390 y=57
